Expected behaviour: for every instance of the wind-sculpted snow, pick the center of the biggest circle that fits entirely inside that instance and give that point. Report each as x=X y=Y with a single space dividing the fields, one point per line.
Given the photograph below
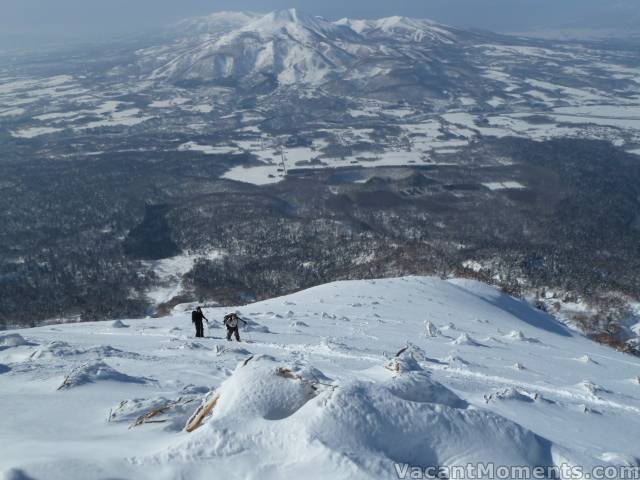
x=412 y=420
x=93 y=372
x=382 y=372
x=465 y=339
x=63 y=350
x=512 y=394
x=518 y=336
x=12 y=340
x=420 y=387
x=371 y=420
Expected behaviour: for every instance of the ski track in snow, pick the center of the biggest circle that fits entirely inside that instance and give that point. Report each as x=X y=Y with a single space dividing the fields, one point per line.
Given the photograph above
x=512 y=361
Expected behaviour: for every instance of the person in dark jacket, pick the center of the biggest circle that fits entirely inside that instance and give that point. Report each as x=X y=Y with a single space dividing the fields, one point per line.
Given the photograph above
x=232 y=322
x=197 y=317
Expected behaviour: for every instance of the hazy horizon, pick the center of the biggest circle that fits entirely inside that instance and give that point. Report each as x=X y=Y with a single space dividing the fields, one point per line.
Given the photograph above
x=24 y=22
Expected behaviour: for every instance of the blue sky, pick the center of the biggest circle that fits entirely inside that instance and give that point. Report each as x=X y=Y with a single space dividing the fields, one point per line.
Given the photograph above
x=42 y=18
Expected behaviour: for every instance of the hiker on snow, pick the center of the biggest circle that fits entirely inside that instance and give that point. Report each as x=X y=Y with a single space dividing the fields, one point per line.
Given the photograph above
x=197 y=317
x=231 y=322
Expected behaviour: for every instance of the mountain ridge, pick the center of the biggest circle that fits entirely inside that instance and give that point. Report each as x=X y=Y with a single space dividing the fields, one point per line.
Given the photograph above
x=294 y=47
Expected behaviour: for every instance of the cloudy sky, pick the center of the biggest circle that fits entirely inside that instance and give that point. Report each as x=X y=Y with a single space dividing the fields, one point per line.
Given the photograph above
x=69 y=18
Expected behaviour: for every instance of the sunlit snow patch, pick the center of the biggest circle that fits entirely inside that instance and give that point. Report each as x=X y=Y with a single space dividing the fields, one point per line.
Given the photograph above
x=170 y=271
x=508 y=185
x=209 y=149
x=34 y=132
x=258 y=175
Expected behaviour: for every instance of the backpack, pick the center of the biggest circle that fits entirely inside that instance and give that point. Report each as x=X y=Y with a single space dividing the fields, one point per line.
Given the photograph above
x=231 y=321
x=194 y=316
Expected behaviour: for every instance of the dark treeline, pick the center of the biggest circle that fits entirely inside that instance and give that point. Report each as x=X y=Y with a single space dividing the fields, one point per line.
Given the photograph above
x=76 y=235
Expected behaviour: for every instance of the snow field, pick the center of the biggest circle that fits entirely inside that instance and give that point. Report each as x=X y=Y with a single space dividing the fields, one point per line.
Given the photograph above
x=409 y=370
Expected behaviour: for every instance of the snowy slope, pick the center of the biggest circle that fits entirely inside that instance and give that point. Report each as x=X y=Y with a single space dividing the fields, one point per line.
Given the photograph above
x=316 y=389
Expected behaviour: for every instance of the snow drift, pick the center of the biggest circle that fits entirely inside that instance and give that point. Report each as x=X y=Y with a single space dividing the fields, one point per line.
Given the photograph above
x=93 y=372
x=363 y=426
x=13 y=340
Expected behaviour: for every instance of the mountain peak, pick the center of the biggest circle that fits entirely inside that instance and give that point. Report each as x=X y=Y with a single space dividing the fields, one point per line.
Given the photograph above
x=282 y=18
x=293 y=24
x=287 y=15
x=295 y=47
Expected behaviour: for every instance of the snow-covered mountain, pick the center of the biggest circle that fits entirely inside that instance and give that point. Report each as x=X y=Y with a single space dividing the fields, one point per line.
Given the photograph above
x=402 y=28
x=215 y=23
x=290 y=47
x=351 y=380
x=390 y=59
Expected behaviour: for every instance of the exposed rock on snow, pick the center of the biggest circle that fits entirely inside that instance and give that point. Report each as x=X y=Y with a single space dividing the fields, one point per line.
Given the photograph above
x=94 y=372
x=119 y=324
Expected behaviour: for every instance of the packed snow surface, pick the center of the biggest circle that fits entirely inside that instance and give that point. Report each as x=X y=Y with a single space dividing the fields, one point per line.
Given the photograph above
x=349 y=380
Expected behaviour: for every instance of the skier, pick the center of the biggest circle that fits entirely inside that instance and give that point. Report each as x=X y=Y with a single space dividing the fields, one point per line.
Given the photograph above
x=231 y=322
x=196 y=317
